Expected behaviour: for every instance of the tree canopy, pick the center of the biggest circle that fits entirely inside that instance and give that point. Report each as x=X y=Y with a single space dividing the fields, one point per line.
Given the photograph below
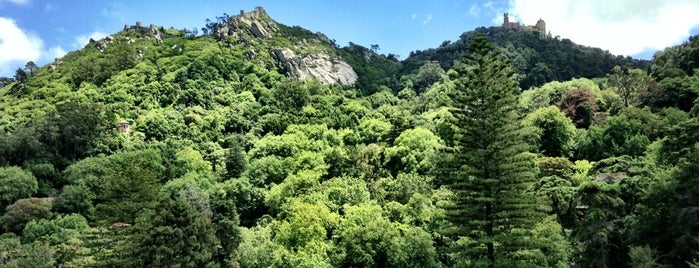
x=166 y=148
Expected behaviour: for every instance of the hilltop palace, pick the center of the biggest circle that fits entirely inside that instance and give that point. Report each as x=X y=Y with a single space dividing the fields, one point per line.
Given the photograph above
x=540 y=25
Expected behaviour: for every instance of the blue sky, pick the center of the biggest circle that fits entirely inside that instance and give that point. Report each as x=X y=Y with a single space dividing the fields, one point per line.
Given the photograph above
x=41 y=30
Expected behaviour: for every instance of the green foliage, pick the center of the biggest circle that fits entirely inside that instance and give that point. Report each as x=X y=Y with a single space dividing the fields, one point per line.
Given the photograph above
x=401 y=188
x=339 y=192
x=299 y=184
x=675 y=70
x=23 y=211
x=630 y=84
x=620 y=136
x=667 y=215
x=602 y=229
x=178 y=232
x=410 y=167
x=130 y=186
x=58 y=230
x=304 y=225
x=236 y=161
x=489 y=170
x=226 y=223
x=582 y=169
x=559 y=251
x=76 y=198
x=554 y=93
x=368 y=239
x=643 y=257
x=15 y=254
x=373 y=70
x=538 y=59
x=15 y=183
x=291 y=95
x=553 y=132
x=414 y=150
x=679 y=141
x=428 y=74
x=374 y=130
x=556 y=184
x=96 y=68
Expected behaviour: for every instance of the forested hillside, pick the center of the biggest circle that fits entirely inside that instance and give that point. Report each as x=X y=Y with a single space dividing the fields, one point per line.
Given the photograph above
x=249 y=143
x=536 y=58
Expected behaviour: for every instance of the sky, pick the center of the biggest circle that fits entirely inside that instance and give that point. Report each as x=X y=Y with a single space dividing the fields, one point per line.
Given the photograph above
x=42 y=30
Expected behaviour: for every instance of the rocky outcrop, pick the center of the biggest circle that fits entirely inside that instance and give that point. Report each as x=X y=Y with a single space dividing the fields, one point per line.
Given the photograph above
x=317 y=66
x=102 y=44
x=259 y=31
x=256 y=22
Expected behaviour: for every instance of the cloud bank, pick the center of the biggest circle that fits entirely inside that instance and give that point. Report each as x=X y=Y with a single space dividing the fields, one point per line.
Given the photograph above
x=626 y=27
x=16 y=46
x=16 y=2
x=82 y=40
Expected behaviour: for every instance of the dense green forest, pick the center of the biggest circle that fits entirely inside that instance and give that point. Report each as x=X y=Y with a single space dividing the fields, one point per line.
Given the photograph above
x=160 y=147
x=537 y=59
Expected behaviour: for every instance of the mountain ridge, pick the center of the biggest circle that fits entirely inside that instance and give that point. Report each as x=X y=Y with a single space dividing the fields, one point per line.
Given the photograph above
x=328 y=66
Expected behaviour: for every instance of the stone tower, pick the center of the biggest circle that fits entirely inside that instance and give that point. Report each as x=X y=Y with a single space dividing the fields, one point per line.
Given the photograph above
x=506 y=19
x=541 y=26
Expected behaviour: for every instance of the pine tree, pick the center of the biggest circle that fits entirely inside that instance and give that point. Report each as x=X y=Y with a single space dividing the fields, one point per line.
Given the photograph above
x=179 y=233
x=489 y=168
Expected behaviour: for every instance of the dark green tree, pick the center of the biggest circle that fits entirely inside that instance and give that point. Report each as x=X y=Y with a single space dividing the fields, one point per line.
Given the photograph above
x=429 y=73
x=130 y=187
x=235 y=160
x=226 y=221
x=23 y=211
x=600 y=232
x=31 y=67
x=552 y=133
x=76 y=199
x=20 y=75
x=490 y=169
x=179 y=233
x=15 y=183
x=668 y=214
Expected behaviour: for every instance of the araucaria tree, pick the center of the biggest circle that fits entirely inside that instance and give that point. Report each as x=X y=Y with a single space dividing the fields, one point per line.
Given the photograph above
x=489 y=168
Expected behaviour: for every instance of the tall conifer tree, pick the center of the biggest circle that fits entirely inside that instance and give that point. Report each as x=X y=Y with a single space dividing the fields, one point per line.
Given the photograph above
x=489 y=168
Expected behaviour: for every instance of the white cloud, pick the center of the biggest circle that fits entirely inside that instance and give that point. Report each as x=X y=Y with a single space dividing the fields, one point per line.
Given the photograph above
x=17 y=2
x=413 y=16
x=474 y=11
x=16 y=46
x=623 y=27
x=427 y=19
x=82 y=40
x=55 y=52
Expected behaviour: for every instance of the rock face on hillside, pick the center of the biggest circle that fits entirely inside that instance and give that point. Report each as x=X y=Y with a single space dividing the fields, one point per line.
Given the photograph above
x=318 y=66
x=256 y=22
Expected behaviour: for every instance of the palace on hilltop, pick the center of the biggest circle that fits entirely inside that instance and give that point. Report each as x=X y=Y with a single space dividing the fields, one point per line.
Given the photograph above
x=540 y=25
